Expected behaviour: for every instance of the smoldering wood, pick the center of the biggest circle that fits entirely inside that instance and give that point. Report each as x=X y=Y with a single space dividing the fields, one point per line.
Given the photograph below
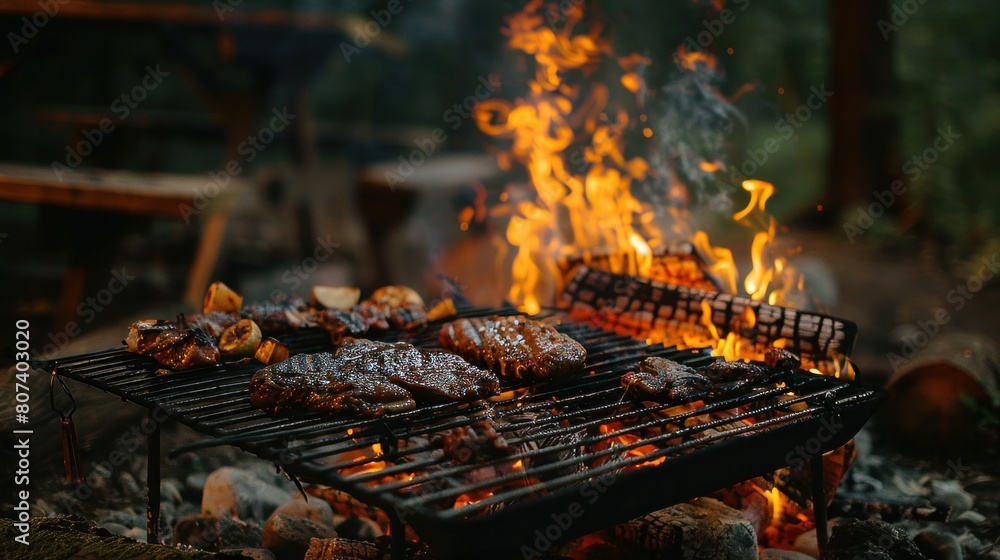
x=635 y=307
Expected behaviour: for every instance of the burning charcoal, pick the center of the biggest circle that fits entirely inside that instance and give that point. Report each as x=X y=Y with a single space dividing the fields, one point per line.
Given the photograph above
x=779 y=358
x=215 y=533
x=534 y=435
x=663 y=379
x=476 y=442
x=327 y=549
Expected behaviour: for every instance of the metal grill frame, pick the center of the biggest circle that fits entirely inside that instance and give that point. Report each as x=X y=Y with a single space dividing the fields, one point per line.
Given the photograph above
x=192 y=398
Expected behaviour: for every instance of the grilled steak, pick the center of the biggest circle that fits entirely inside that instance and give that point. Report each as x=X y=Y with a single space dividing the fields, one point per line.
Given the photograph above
x=369 y=378
x=172 y=347
x=515 y=347
x=665 y=379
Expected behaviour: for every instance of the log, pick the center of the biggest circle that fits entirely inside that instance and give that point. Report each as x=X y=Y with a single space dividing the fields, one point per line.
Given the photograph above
x=934 y=396
x=60 y=538
x=342 y=549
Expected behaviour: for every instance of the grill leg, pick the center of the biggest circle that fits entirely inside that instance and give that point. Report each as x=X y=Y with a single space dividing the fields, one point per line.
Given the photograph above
x=153 y=484
x=397 y=542
x=819 y=502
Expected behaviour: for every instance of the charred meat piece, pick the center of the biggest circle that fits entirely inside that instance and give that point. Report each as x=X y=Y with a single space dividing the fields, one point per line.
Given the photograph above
x=515 y=347
x=341 y=324
x=397 y=306
x=664 y=379
x=721 y=371
x=174 y=348
x=779 y=358
x=479 y=441
x=272 y=318
x=729 y=378
x=276 y=318
x=369 y=378
x=214 y=323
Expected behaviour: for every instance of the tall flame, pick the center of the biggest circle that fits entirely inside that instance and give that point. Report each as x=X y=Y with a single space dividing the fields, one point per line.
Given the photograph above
x=568 y=132
x=570 y=139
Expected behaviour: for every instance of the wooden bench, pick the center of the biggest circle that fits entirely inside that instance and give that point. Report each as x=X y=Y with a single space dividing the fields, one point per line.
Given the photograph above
x=170 y=196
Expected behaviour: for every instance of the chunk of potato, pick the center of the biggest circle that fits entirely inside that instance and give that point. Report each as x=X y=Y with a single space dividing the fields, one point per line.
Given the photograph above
x=271 y=351
x=337 y=298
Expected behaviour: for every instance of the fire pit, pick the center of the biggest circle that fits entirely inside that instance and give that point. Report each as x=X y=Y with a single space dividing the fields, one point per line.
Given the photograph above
x=584 y=456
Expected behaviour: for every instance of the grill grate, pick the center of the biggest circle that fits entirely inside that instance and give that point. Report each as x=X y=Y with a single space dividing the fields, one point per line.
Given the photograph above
x=577 y=440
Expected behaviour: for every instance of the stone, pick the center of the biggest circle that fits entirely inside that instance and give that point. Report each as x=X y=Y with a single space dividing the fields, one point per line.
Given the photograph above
x=357 y=528
x=806 y=542
x=951 y=493
x=779 y=554
x=129 y=487
x=249 y=553
x=972 y=518
x=702 y=528
x=871 y=540
x=314 y=510
x=170 y=491
x=136 y=534
x=288 y=536
x=215 y=533
x=235 y=492
x=938 y=545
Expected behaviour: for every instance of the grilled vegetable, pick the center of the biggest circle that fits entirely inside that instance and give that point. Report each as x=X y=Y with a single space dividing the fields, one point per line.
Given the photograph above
x=271 y=351
x=339 y=299
x=221 y=297
x=442 y=310
x=240 y=340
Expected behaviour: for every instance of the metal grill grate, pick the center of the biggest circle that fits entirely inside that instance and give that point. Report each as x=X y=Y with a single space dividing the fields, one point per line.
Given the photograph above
x=575 y=439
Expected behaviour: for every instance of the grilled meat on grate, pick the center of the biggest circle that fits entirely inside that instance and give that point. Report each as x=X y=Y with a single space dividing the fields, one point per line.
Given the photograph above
x=172 y=347
x=515 y=347
x=667 y=379
x=369 y=378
